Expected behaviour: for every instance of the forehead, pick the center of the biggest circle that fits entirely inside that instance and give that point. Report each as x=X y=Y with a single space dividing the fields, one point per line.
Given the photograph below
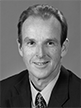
x=39 y=26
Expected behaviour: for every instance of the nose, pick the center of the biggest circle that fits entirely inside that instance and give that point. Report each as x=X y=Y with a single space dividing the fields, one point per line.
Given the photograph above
x=40 y=52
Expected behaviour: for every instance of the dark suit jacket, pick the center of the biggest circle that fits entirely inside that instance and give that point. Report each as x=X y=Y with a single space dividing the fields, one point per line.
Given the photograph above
x=15 y=91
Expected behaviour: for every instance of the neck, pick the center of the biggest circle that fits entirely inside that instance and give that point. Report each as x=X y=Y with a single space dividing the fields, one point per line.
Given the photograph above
x=42 y=83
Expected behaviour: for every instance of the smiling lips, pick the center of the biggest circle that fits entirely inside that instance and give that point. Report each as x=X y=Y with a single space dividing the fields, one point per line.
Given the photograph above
x=41 y=64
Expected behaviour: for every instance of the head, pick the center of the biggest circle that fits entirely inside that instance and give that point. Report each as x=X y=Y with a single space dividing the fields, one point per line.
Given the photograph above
x=42 y=39
x=45 y=12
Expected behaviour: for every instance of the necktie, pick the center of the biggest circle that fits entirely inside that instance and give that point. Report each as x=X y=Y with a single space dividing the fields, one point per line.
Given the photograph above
x=39 y=101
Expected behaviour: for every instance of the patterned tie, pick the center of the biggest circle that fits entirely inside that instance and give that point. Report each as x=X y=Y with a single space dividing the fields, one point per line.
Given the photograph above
x=39 y=101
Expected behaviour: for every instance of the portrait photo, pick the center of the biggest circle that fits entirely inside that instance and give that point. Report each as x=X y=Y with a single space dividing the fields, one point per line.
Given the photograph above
x=40 y=53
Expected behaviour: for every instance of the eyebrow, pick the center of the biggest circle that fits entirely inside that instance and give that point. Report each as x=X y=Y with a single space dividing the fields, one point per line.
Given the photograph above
x=52 y=39
x=27 y=38
x=47 y=40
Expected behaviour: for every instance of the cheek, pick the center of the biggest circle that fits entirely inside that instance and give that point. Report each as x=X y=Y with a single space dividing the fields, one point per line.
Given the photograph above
x=28 y=54
x=55 y=54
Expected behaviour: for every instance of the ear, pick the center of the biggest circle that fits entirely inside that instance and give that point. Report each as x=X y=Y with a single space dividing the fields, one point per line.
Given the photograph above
x=19 y=48
x=65 y=47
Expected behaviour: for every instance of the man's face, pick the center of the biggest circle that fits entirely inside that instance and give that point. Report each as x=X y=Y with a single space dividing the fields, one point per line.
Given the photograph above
x=41 y=47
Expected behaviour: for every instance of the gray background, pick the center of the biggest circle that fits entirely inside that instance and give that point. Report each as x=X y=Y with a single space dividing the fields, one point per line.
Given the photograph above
x=11 y=62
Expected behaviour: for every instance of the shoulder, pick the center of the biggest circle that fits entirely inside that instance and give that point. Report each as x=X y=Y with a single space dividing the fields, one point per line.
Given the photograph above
x=8 y=84
x=73 y=78
x=74 y=82
x=12 y=80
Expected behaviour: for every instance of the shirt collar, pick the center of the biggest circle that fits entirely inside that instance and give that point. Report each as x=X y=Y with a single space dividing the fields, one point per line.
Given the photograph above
x=46 y=92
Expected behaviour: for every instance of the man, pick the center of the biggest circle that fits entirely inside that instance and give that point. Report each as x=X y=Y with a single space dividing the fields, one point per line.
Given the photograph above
x=42 y=43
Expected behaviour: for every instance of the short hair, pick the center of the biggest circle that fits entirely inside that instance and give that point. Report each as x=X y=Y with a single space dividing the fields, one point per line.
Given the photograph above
x=45 y=12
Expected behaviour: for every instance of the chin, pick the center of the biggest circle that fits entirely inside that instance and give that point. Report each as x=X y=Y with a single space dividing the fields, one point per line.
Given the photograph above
x=40 y=75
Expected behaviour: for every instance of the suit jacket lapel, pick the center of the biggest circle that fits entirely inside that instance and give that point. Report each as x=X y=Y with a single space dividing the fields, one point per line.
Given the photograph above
x=21 y=94
x=60 y=92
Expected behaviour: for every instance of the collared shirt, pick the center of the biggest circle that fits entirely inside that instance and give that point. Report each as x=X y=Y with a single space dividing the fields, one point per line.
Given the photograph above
x=46 y=92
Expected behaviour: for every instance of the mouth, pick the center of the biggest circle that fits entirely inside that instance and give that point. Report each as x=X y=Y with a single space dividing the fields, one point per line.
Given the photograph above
x=41 y=64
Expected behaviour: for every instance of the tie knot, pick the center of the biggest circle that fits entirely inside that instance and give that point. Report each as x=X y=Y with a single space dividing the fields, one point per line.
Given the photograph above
x=39 y=101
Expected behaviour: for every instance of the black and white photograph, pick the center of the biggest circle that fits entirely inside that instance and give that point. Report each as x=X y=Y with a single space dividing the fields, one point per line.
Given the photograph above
x=40 y=54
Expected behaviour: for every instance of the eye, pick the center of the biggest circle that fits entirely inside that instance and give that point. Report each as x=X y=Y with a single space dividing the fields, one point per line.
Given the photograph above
x=31 y=43
x=50 y=43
